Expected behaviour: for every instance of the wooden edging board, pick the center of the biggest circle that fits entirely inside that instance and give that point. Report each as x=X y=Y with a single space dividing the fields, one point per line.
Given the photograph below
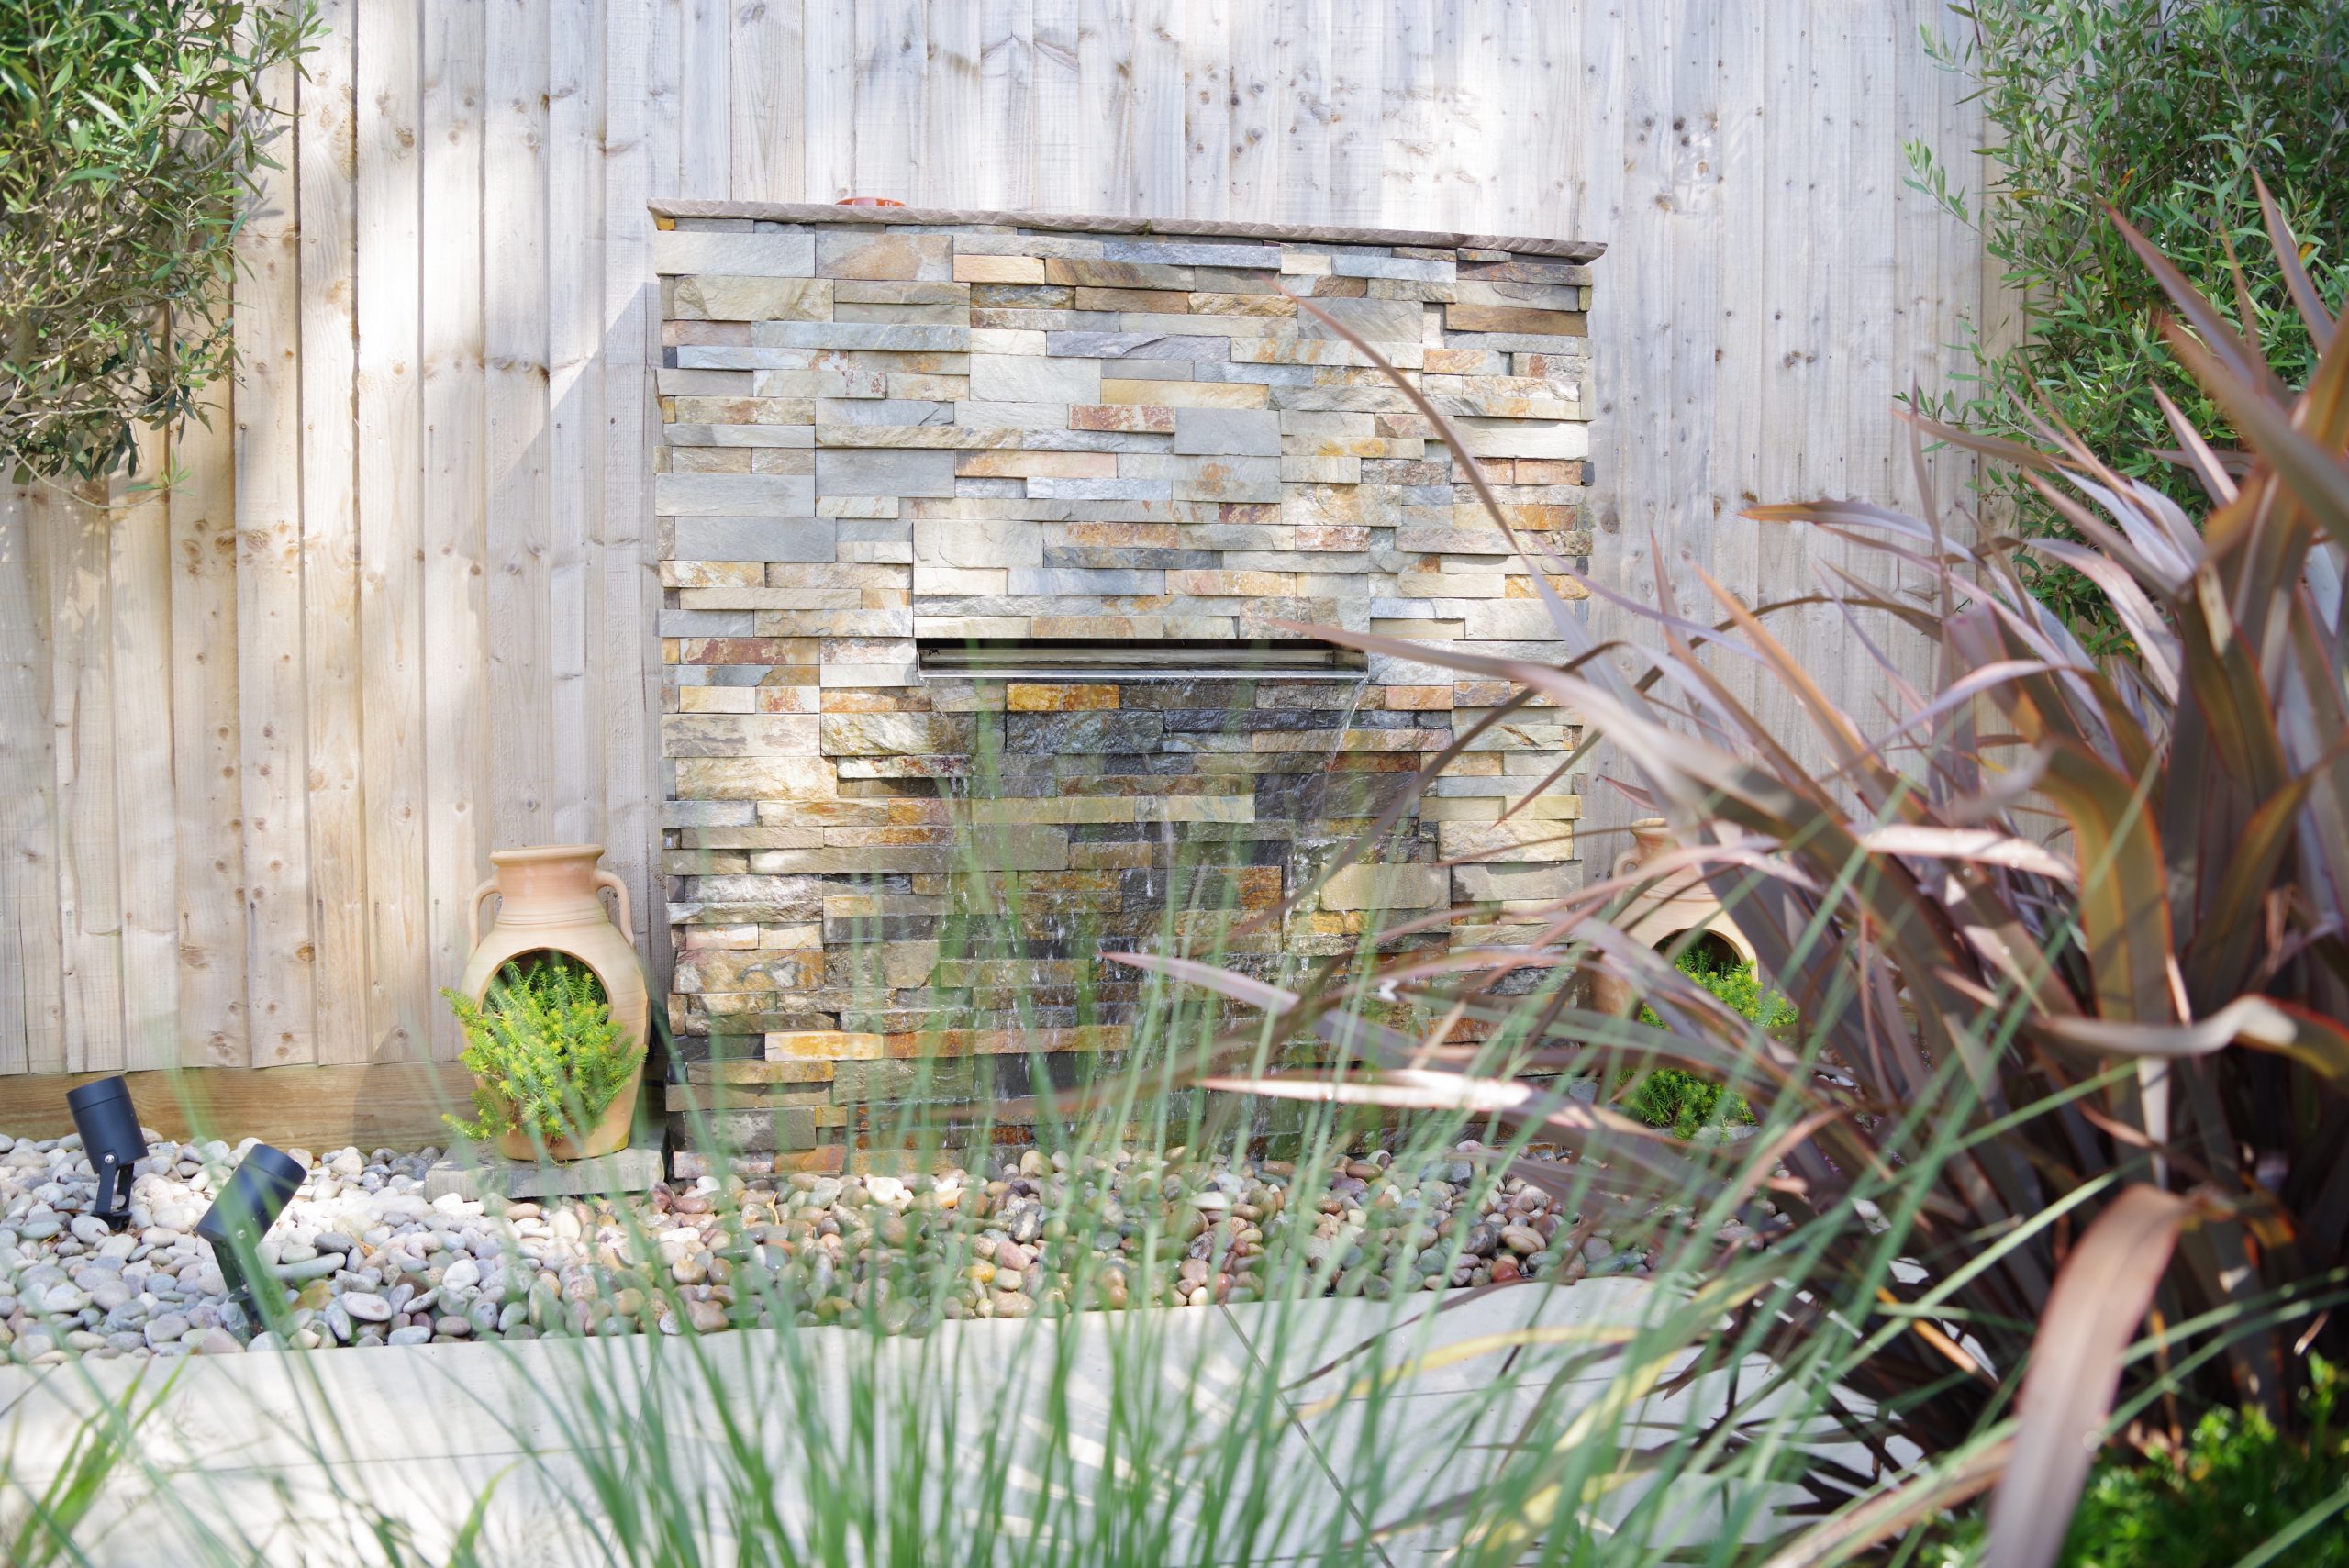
x=377 y=1106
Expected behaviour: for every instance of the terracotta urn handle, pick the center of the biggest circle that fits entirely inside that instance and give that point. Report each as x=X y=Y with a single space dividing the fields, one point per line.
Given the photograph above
x=620 y=891
x=472 y=911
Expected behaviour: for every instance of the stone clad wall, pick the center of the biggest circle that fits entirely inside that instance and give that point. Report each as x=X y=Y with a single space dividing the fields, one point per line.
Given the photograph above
x=1000 y=430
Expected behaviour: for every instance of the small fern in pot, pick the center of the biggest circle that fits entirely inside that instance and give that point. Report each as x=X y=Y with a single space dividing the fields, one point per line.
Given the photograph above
x=548 y=1059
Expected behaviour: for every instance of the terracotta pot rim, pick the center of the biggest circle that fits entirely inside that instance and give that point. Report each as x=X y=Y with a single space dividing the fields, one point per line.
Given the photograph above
x=536 y=853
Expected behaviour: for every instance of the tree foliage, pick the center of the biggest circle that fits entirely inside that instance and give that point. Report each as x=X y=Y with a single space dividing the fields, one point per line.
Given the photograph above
x=2167 y=110
x=132 y=138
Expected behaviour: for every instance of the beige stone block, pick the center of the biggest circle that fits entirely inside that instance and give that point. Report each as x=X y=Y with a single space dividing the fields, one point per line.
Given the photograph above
x=893 y=253
x=928 y=579
x=998 y=269
x=1036 y=465
x=823 y=1045
x=1513 y=883
x=716 y=971
x=1509 y=620
x=719 y=699
x=1518 y=839
x=1232 y=585
x=1510 y=438
x=1083 y=273
x=1387 y=887
x=715 y=297
x=977 y=542
x=896 y=734
x=1460 y=809
x=731 y=735
x=1022 y=697
x=1185 y=394
x=755 y=778
x=1468 y=317
x=1154 y=418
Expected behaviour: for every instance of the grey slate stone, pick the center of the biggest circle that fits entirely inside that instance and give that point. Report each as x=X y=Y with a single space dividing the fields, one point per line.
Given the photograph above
x=1138 y=345
x=880 y=470
x=1079 y=580
x=1362 y=266
x=1021 y=378
x=904 y=336
x=1380 y=320
x=754 y=538
x=1065 y=733
x=1099 y=489
x=1179 y=253
x=1236 y=432
x=883 y=411
x=738 y=495
x=706 y=623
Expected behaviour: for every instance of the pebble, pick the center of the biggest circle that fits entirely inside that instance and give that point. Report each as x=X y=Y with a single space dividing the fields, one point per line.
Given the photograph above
x=367 y=1260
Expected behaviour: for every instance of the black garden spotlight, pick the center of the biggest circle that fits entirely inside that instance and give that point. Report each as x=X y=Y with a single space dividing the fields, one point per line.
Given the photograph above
x=108 y=1124
x=263 y=1184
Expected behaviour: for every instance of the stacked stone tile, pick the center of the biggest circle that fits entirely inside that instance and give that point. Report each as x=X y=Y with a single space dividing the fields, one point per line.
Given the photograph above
x=925 y=427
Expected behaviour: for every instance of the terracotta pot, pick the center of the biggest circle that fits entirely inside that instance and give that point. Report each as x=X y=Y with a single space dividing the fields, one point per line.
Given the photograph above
x=1681 y=905
x=549 y=900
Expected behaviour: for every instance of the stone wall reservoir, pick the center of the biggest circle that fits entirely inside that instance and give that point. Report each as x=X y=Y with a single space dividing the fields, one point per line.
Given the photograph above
x=975 y=528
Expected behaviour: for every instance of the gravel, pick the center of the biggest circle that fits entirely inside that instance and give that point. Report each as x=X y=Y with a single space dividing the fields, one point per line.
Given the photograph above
x=362 y=1258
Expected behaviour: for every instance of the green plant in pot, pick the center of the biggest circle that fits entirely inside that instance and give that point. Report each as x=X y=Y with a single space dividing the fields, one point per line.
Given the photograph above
x=552 y=1070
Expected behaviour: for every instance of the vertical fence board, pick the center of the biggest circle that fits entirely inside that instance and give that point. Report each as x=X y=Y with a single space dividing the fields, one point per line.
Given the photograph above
x=1301 y=111
x=1059 y=135
x=891 y=58
x=628 y=656
x=206 y=734
x=1206 y=107
x=574 y=391
x=31 y=1006
x=146 y=806
x=1253 y=153
x=1160 y=104
x=281 y=982
x=767 y=143
x=705 y=142
x=89 y=895
x=455 y=550
x=514 y=389
x=828 y=71
x=334 y=742
x=391 y=465
x=954 y=126
x=1105 y=67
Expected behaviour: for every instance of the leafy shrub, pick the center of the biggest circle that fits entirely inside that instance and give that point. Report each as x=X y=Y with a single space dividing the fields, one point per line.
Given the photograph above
x=130 y=135
x=2238 y=1484
x=546 y=1051
x=1682 y=1101
x=2167 y=111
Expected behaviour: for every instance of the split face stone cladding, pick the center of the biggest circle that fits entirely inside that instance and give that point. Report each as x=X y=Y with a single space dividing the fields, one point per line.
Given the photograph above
x=876 y=435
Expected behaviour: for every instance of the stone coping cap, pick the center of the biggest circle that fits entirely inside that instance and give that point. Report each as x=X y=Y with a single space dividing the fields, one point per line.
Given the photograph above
x=1311 y=233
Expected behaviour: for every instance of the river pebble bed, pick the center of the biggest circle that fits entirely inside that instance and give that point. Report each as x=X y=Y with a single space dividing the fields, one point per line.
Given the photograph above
x=361 y=1257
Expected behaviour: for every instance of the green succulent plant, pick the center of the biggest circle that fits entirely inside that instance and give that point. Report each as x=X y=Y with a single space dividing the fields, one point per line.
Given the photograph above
x=548 y=1057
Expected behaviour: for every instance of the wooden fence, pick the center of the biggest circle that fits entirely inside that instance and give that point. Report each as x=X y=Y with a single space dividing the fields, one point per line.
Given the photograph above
x=258 y=731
